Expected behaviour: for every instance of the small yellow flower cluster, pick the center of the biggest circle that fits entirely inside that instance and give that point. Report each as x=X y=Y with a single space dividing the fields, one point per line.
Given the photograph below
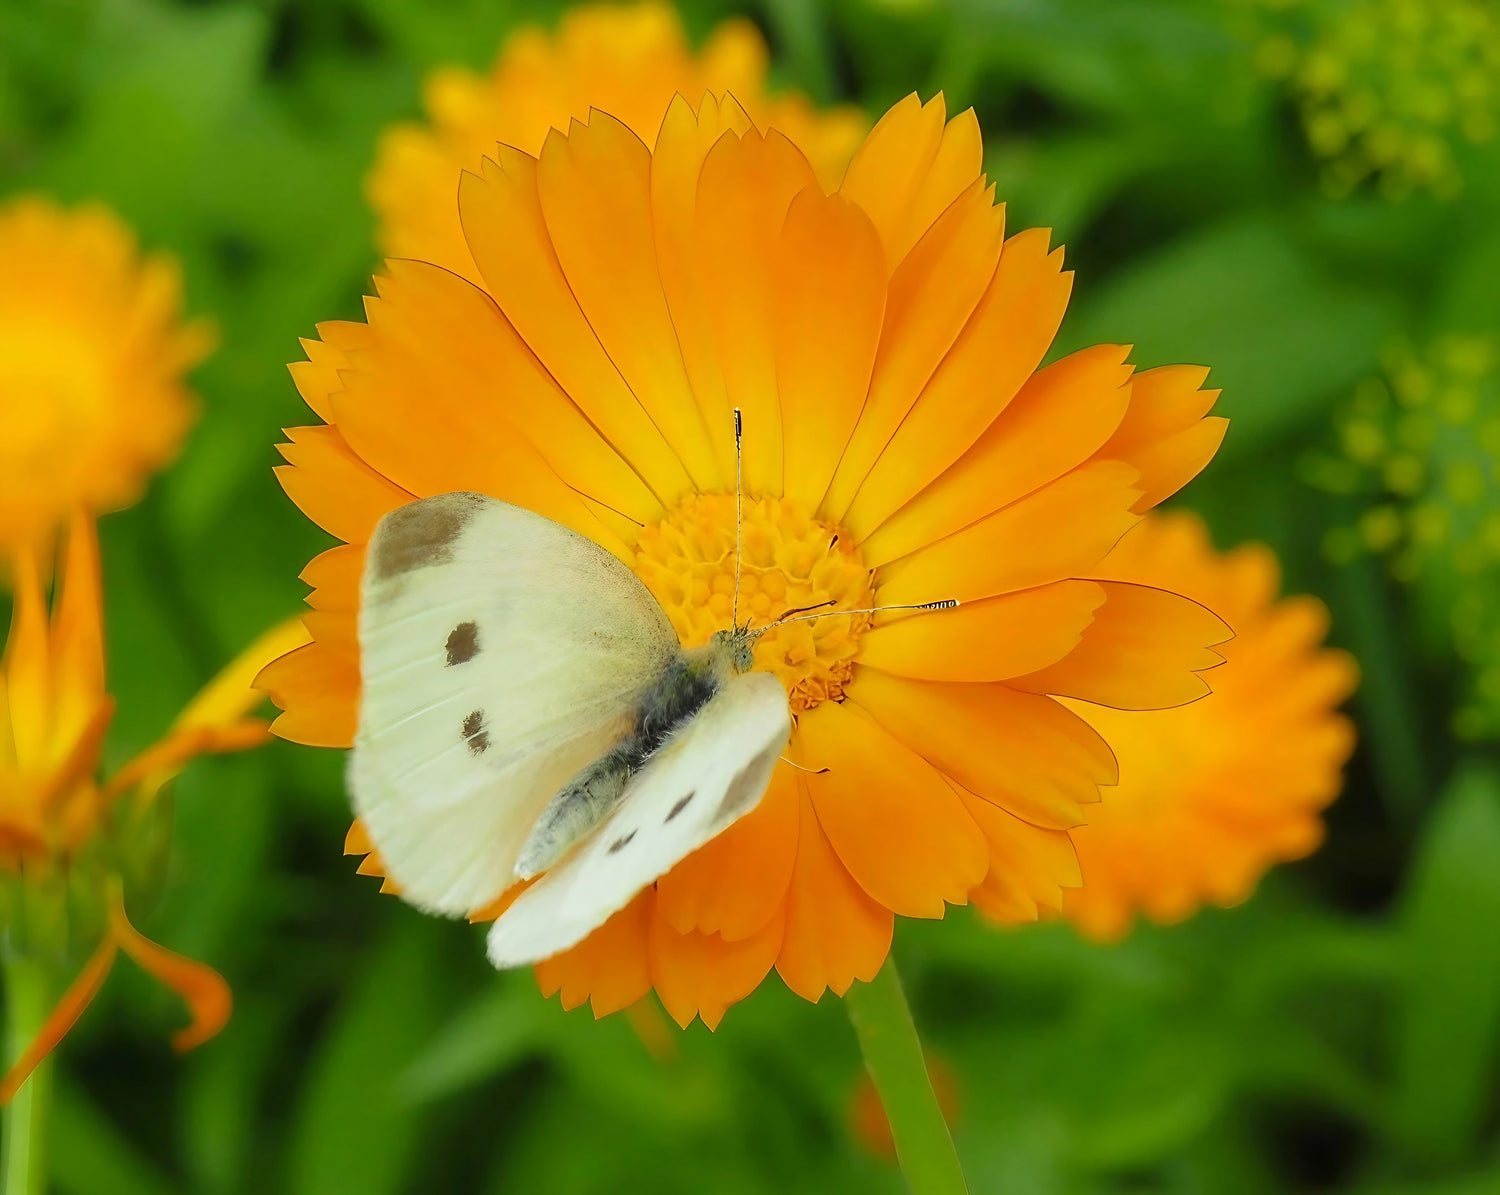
x=1422 y=447
x=1385 y=87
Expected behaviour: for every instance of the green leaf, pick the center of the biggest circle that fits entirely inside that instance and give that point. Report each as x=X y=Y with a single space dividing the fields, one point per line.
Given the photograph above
x=499 y=1029
x=90 y=1155
x=1449 y=1022
x=353 y=1132
x=1282 y=337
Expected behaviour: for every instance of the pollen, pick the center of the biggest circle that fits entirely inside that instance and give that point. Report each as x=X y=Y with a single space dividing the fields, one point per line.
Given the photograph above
x=788 y=560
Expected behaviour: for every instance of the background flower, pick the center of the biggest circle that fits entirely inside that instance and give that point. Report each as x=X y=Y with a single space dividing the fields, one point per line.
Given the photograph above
x=1213 y=793
x=628 y=60
x=92 y=357
x=69 y=839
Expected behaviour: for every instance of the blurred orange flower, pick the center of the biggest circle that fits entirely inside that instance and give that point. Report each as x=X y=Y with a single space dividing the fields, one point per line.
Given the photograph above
x=901 y=445
x=628 y=61
x=58 y=821
x=92 y=356
x=1213 y=793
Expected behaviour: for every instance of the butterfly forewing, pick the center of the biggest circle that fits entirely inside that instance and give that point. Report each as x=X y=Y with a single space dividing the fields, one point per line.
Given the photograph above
x=500 y=653
x=712 y=772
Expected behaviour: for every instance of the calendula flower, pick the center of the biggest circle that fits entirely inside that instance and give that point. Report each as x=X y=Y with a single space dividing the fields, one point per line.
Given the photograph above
x=900 y=445
x=1419 y=453
x=1214 y=793
x=92 y=356
x=68 y=839
x=1386 y=88
x=627 y=60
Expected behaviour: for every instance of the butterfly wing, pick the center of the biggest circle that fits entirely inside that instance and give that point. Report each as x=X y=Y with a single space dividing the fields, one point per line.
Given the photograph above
x=709 y=774
x=500 y=653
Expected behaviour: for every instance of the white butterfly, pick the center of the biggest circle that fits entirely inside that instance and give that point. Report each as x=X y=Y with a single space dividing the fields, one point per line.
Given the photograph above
x=527 y=707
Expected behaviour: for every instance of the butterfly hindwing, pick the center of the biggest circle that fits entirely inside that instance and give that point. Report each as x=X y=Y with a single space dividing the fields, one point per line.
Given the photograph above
x=500 y=653
x=711 y=772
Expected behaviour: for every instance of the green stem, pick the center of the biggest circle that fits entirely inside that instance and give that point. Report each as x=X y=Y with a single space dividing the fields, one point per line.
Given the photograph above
x=893 y=1056
x=28 y=1000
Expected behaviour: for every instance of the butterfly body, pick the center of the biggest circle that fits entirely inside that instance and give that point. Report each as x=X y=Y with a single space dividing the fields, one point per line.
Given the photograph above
x=688 y=684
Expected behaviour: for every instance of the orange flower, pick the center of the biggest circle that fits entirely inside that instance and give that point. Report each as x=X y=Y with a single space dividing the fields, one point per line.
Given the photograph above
x=92 y=355
x=628 y=61
x=900 y=445
x=61 y=829
x=1212 y=794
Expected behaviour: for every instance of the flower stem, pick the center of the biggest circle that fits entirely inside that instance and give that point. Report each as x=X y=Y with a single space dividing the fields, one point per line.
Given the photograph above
x=28 y=999
x=893 y=1056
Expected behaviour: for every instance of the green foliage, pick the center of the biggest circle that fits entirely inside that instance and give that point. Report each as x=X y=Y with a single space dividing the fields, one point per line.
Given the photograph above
x=1337 y=1033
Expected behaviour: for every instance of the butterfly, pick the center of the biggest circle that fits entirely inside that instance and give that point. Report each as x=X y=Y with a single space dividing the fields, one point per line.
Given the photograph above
x=528 y=713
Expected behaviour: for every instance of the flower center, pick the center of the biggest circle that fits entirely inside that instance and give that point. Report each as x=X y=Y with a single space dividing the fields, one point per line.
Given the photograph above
x=788 y=560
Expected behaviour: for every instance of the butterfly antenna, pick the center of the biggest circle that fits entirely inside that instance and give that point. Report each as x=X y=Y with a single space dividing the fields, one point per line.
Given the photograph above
x=739 y=498
x=945 y=604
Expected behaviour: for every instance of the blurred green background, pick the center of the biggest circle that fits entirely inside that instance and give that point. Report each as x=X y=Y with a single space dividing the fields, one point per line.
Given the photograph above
x=1337 y=1033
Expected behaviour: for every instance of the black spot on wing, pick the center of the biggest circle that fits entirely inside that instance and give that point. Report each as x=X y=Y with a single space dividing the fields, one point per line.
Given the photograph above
x=477 y=737
x=746 y=788
x=680 y=806
x=620 y=844
x=420 y=533
x=463 y=643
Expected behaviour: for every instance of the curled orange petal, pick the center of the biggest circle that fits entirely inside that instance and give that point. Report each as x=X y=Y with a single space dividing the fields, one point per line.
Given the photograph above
x=62 y=1018
x=202 y=989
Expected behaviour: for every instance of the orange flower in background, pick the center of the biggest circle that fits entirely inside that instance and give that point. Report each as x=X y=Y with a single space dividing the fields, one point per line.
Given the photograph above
x=57 y=818
x=901 y=445
x=1214 y=793
x=628 y=61
x=92 y=358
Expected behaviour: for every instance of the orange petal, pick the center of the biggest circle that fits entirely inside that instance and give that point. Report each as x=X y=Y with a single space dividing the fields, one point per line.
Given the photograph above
x=335 y=576
x=828 y=299
x=702 y=975
x=1024 y=752
x=910 y=168
x=595 y=188
x=835 y=933
x=1062 y=415
x=999 y=348
x=1164 y=403
x=442 y=353
x=232 y=694
x=896 y=824
x=358 y=841
x=990 y=640
x=683 y=143
x=609 y=967
x=62 y=1018
x=734 y=884
x=1169 y=465
x=1062 y=530
x=1143 y=651
x=28 y=671
x=932 y=295
x=318 y=691
x=332 y=486
x=1029 y=865
x=202 y=988
x=317 y=378
x=746 y=186
x=78 y=634
x=503 y=224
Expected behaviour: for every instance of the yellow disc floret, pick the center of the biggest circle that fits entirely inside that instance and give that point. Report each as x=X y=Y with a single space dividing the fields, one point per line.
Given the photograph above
x=789 y=560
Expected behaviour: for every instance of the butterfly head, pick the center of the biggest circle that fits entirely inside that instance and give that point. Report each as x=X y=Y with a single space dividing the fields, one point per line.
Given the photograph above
x=736 y=647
